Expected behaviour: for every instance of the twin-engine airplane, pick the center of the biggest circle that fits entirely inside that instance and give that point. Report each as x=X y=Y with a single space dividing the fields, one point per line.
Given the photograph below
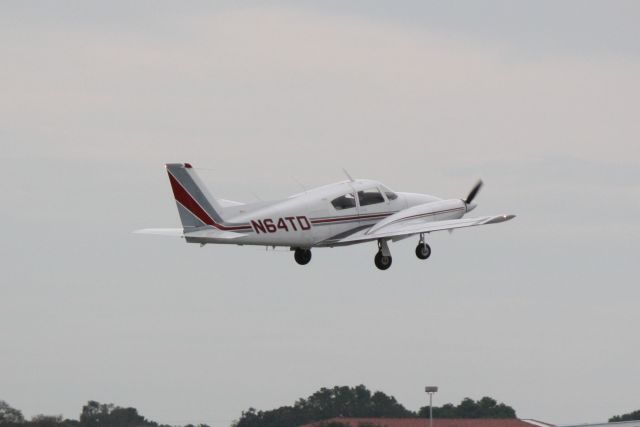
x=345 y=213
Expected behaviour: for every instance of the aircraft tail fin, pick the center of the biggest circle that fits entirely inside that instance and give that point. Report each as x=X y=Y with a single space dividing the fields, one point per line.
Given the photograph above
x=196 y=206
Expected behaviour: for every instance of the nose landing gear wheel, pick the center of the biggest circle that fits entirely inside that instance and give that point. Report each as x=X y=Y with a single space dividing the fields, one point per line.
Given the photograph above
x=381 y=261
x=302 y=256
x=423 y=251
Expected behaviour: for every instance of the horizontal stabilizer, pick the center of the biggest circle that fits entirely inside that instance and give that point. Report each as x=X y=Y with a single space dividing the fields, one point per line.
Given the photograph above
x=208 y=233
x=213 y=233
x=229 y=203
x=170 y=232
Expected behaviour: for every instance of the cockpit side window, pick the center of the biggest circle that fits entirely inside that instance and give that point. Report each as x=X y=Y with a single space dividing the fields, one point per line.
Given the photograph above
x=347 y=201
x=370 y=197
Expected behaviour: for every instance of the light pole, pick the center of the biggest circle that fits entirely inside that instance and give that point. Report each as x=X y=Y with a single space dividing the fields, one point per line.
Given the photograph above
x=431 y=390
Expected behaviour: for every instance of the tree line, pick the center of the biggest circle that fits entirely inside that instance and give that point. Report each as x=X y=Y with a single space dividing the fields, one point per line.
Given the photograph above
x=631 y=416
x=325 y=404
x=94 y=414
x=360 y=402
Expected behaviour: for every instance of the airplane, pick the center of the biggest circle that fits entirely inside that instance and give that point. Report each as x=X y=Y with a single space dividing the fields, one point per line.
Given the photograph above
x=345 y=213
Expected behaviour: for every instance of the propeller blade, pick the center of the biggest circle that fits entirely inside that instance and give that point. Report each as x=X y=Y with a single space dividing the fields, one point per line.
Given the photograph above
x=474 y=192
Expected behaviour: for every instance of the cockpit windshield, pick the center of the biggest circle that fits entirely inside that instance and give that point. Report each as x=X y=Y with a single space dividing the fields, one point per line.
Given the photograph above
x=390 y=194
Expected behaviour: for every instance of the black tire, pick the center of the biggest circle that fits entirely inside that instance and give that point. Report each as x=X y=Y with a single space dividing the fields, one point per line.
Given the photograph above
x=382 y=262
x=302 y=256
x=423 y=251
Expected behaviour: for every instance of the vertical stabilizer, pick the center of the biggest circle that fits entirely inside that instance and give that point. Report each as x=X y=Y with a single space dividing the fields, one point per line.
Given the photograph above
x=196 y=206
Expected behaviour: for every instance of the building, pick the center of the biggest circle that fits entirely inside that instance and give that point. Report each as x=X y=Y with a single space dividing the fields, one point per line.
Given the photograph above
x=635 y=423
x=437 y=422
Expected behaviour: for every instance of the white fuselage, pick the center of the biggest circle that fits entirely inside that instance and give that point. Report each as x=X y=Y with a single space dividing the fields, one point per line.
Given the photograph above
x=322 y=216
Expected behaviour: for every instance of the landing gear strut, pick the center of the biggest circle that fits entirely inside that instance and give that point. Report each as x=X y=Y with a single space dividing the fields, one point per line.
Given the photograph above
x=302 y=256
x=423 y=250
x=383 y=257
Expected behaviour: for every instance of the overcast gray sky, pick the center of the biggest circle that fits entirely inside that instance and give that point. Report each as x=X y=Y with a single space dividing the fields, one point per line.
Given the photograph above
x=540 y=99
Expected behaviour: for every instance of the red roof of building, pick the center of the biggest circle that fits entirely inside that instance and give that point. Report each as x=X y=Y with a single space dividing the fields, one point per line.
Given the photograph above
x=437 y=422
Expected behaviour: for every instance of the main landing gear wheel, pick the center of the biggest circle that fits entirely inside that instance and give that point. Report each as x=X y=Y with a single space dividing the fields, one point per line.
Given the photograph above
x=302 y=256
x=382 y=262
x=423 y=251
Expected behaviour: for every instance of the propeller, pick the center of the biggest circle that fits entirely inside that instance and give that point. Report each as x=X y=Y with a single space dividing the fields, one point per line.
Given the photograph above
x=473 y=193
x=468 y=202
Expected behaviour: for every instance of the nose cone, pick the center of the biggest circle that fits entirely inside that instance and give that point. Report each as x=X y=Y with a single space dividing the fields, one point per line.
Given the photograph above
x=471 y=206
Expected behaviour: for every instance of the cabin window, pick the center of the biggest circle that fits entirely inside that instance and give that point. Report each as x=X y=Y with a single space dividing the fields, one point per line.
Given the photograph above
x=370 y=197
x=347 y=201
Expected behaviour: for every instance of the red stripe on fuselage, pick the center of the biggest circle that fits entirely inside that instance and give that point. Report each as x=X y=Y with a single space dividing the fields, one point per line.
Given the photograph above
x=350 y=218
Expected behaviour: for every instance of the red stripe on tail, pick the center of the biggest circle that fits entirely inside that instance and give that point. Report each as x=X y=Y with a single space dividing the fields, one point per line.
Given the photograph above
x=188 y=202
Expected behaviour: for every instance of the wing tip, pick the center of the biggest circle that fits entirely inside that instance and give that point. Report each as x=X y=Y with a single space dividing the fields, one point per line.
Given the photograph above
x=500 y=218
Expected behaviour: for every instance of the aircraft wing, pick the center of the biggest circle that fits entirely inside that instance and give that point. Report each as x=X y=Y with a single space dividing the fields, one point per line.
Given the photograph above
x=406 y=229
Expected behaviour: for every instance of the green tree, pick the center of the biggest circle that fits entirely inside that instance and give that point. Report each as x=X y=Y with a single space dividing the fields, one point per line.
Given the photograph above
x=327 y=403
x=469 y=408
x=9 y=415
x=47 y=420
x=631 y=416
x=95 y=414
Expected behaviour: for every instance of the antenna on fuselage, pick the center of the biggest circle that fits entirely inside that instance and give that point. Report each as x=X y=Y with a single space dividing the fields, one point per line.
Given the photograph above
x=255 y=195
x=348 y=176
x=300 y=184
